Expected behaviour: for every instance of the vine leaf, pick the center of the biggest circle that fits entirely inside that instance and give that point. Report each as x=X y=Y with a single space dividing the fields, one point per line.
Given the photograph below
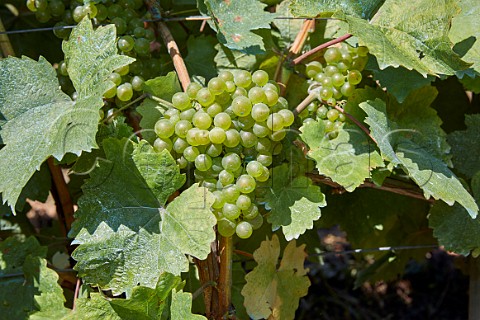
x=271 y=292
x=454 y=228
x=430 y=173
x=325 y=8
x=294 y=202
x=41 y=120
x=145 y=303
x=201 y=52
x=412 y=34
x=32 y=287
x=125 y=236
x=235 y=21
x=182 y=305
x=465 y=32
x=465 y=146
x=348 y=159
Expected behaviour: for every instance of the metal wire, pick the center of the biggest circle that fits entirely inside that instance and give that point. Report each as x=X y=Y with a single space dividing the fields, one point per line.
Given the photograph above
x=189 y=18
x=393 y=248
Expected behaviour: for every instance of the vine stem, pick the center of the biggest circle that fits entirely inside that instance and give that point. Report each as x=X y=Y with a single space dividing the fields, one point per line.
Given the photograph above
x=77 y=291
x=320 y=47
x=225 y=279
x=174 y=52
x=5 y=43
x=311 y=96
x=60 y=193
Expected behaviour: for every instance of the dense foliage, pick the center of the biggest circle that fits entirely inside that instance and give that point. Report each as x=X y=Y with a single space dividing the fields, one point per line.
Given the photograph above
x=210 y=174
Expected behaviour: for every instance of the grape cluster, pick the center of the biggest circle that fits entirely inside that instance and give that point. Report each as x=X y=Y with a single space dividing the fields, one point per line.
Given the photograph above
x=228 y=131
x=135 y=39
x=334 y=81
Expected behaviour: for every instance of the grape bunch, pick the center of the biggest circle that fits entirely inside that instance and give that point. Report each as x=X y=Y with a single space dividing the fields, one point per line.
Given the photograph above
x=228 y=133
x=136 y=39
x=334 y=81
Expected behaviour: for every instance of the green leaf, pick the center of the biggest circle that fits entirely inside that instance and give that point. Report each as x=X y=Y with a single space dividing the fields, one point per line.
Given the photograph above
x=412 y=34
x=227 y=59
x=160 y=171
x=465 y=148
x=26 y=284
x=465 y=32
x=325 y=8
x=31 y=102
x=126 y=238
x=201 y=52
x=399 y=82
x=273 y=292
x=294 y=202
x=163 y=87
x=182 y=305
x=145 y=303
x=348 y=159
x=431 y=174
x=235 y=22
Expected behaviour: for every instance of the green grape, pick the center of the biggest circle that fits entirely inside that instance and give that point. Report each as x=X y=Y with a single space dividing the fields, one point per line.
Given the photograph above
x=260 y=78
x=226 y=227
x=260 y=112
x=120 y=25
x=222 y=120
x=231 y=211
x=342 y=117
x=216 y=165
x=354 y=77
x=346 y=58
x=205 y=97
x=232 y=138
x=271 y=86
x=225 y=75
x=201 y=137
x=150 y=34
x=171 y=113
x=230 y=86
x=193 y=89
x=242 y=78
x=187 y=114
x=246 y=183
x=337 y=125
x=225 y=177
x=111 y=92
x=313 y=68
x=264 y=176
x=319 y=77
x=288 y=117
x=60 y=31
x=203 y=162
x=62 y=68
x=137 y=83
x=162 y=144
x=231 y=193
x=239 y=91
x=43 y=16
x=231 y=162
x=164 y=128
x=214 y=150
x=241 y=106
x=256 y=95
x=271 y=97
x=123 y=70
x=329 y=125
x=331 y=70
x=192 y=137
x=250 y=212
x=182 y=162
x=359 y=63
x=327 y=82
x=91 y=9
x=126 y=43
x=125 y=91
x=31 y=5
x=115 y=78
x=244 y=230
x=214 y=109
x=179 y=145
x=337 y=94
x=102 y=12
x=255 y=168
x=331 y=101
x=338 y=79
x=265 y=159
x=332 y=55
x=248 y=139
x=326 y=93
x=202 y=120
x=256 y=222
x=275 y=122
x=139 y=32
x=261 y=130
x=243 y=202
x=362 y=51
x=182 y=127
x=190 y=153
x=332 y=114
x=217 y=135
x=278 y=135
x=219 y=199
x=263 y=145
x=347 y=89
x=142 y=45
x=245 y=123
x=343 y=67
x=217 y=85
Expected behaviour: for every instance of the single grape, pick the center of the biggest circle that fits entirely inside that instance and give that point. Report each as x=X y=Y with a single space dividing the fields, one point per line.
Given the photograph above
x=260 y=78
x=226 y=227
x=230 y=86
x=111 y=92
x=231 y=193
x=271 y=97
x=322 y=112
x=217 y=135
x=264 y=176
x=257 y=95
x=256 y=222
x=142 y=45
x=162 y=144
x=203 y=162
x=354 y=77
x=242 y=78
x=331 y=70
x=190 y=153
x=60 y=31
x=214 y=109
x=261 y=130
x=205 y=97
x=182 y=127
x=362 y=51
x=164 y=128
x=125 y=91
x=187 y=114
x=278 y=135
x=254 y=168
x=332 y=114
x=246 y=183
x=214 y=150
x=217 y=85
x=260 y=112
x=332 y=55
x=338 y=79
x=219 y=199
x=115 y=78
x=250 y=212
x=202 y=137
x=193 y=89
x=120 y=25
x=225 y=177
x=288 y=117
x=241 y=106
x=79 y=13
x=347 y=89
x=342 y=117
x=263 y=145
x=326 y=93
x=202 y=120
x=248 y=139
x=181 y=101
x=329 y=125
x=313 y=68
x=222 y=120
x=244 y=230
x=275 y=122
x=231 y=162
x=225 y=75
x=179 y=145
x=182 y=162
x=232 y=138
x=137 y=83
x=243 y=202
x=265 y=159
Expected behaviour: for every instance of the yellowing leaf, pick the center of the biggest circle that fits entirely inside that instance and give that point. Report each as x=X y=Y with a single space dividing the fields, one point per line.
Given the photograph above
x=272 y=292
